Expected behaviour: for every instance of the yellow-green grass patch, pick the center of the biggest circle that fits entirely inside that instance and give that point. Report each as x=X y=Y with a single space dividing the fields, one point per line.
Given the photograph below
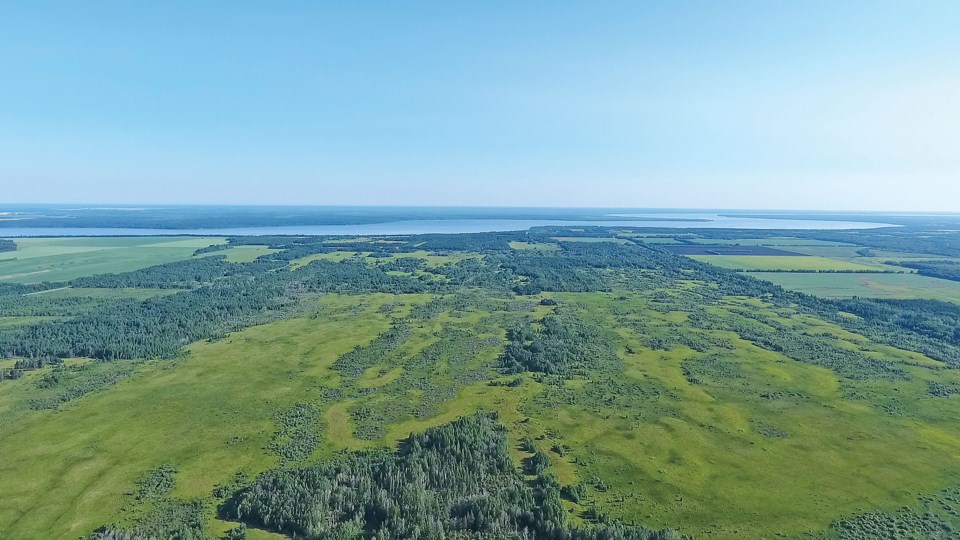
x=242 y=254
x=102 y=292
x=534 y=246
x=702 y=466
x=210 y=415
x=780 y=262
x=591 y=239
x=657 y=240
x=355 y=240
x=21 y=321
x=433 y=260
x=62 y=259
x=336 y=256
x=874 y=285
x=378 y=376
x=771 y=242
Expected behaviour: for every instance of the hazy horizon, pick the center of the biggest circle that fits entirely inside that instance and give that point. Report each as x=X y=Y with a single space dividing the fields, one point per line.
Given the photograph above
x=137 y=205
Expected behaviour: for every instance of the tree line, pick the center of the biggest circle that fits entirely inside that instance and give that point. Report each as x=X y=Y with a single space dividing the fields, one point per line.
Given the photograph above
x=938 y=269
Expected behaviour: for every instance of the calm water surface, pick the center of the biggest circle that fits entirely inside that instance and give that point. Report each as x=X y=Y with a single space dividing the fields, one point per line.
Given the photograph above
x=683 y=221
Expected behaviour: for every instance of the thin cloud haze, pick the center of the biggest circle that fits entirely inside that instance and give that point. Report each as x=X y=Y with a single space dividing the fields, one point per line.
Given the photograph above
x=688 y=104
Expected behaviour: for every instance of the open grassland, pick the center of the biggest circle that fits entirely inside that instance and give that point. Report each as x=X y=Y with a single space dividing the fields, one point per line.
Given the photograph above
x=534 y=246
x=335 y=256
x=691 y=431
x=62 y=259
x=656 y=238
x=431 y=260
x=97 y=292
x=244 y=253
x=20 y=321
x=374 y=241
x=704 y=440
x=771 y=242
x=835 y=252
x=665 y=401
x=899 y=286
x=776 y=262
x=211 y=415
x=668 y=240
x=591 y=239
x=851 y=254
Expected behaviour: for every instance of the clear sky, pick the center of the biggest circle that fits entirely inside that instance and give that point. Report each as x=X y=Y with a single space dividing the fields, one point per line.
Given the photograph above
x=761 y=104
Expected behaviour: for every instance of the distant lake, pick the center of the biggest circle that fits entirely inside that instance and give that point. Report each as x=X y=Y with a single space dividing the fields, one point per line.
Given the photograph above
x=422 y=226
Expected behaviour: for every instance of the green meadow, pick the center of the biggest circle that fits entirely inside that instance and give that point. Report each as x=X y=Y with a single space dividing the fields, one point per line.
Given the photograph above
x=871 y=285
x=655 y=239
x=668 y=450
x=781 y=262
x=210 y=414
x=535 y=246
x=242 y=254
x=702 y=451
x=591 y=239
x=62 y=259
x=771 y=242
x=98 y=292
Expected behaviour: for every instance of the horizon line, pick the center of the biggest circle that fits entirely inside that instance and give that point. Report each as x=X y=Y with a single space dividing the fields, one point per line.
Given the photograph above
x=94 y=205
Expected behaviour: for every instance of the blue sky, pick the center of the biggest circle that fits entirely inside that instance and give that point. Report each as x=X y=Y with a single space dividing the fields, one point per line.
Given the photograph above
x=812 y=105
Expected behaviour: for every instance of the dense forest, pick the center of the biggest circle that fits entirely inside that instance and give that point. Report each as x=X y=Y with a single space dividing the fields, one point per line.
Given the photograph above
x=561 y=345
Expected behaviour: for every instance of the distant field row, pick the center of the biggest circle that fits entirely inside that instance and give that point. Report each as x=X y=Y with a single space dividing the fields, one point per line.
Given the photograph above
x=591 y=239
x=899 y=286
x=97 y=292
x=241 y=254
x=429 y=258
x=764 y=242
x=779 y=262
x=772 y=242
x=63 y=259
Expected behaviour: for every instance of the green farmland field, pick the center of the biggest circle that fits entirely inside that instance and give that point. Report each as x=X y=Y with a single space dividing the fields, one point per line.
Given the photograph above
x=771 y=242
x=243 y=253
x=591 y=239
x=542 y=246
x=656 y=240
x=61 y=259
x=899 y=286
x=96 y=292
x=780 y=262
